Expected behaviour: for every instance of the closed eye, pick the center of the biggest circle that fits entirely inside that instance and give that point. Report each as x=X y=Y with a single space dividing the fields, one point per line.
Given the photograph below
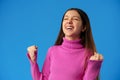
x=76 y=18
x=65 y=18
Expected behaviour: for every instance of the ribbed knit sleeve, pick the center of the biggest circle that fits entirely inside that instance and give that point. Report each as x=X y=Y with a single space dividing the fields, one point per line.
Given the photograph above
x=92 y=70
x=36 y=73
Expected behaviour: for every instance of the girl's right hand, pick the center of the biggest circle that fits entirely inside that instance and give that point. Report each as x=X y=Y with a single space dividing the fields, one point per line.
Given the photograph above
x=32 y=53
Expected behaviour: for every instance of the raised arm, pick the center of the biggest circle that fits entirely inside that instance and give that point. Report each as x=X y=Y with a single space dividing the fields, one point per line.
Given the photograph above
x=93 y=67
x=32 y=55
x=36 y=74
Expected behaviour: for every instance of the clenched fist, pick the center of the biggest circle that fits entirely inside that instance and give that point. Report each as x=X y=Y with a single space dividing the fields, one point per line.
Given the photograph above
x=96 y=56
x=32 y=53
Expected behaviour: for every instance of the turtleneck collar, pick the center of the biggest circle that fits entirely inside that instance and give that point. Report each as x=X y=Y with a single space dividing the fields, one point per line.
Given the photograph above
x=72 y=44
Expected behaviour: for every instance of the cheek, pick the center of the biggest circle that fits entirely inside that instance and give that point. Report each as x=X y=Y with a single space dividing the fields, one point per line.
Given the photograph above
x=63 y=28
x=63 y=25
x=78 y=28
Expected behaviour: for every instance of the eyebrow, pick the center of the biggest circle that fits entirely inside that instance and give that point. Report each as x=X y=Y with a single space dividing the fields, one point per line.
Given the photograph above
x=73 y=16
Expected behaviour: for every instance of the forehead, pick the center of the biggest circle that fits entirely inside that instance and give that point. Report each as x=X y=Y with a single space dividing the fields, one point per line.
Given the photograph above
x=72 y=13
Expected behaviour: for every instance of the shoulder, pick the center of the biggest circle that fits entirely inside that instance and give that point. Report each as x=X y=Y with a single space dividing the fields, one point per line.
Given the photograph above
x=52 y=49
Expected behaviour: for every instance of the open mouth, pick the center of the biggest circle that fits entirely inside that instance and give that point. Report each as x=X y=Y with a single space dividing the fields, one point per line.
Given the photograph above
x=69 y=28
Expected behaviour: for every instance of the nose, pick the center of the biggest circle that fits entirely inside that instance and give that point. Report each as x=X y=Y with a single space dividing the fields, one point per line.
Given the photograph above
x=70 y=21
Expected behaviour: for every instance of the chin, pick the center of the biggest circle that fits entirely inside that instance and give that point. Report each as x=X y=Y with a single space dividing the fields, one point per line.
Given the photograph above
x=69 y=35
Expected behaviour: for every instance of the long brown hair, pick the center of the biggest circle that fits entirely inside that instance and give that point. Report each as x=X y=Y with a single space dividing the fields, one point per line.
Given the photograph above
x=86 y=36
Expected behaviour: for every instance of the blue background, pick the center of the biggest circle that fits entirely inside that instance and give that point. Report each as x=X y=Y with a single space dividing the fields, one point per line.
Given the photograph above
x=37 y=22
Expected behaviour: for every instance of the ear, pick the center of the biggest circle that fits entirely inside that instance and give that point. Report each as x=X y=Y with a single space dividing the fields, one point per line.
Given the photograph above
x=84 y=28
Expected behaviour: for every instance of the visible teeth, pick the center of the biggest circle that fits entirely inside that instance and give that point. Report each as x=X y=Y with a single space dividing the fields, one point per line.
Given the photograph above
x=69 y=27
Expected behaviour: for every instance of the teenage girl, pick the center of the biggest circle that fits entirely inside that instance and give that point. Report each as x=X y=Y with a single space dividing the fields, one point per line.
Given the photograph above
x=74 y=55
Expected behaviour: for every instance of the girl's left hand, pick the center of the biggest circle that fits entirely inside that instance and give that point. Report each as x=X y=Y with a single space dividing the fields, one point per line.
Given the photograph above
x=96 y=56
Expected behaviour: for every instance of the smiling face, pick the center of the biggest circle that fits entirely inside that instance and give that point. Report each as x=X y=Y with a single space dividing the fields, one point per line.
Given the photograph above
x=72 y=25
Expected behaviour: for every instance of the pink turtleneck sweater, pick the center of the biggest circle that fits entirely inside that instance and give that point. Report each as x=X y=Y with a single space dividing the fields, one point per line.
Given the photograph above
x=66 y=62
